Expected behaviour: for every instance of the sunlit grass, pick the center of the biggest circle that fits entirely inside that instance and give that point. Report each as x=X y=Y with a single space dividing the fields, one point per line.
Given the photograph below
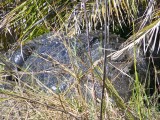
x=31 y=18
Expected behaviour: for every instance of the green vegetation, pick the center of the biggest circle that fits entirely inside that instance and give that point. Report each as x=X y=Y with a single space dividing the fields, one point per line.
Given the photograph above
x=24 y=20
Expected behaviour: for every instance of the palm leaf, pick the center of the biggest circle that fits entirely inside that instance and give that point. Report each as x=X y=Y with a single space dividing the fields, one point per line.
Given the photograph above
x=147 y=35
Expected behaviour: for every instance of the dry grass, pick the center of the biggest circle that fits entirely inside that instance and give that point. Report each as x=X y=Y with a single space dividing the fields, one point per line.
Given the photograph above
x=29 y=102
x=23 y=103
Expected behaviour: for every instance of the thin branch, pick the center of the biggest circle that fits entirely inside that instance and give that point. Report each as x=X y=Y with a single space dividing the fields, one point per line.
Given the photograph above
x=106 y=41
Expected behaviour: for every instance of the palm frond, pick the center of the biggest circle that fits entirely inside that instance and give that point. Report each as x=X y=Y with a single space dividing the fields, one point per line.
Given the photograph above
x=147 y=36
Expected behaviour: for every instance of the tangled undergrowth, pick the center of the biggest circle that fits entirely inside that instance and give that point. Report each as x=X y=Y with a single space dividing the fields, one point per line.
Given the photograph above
x=24 y=20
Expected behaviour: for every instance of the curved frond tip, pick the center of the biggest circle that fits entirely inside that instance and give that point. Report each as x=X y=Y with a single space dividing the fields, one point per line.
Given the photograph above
x=147 y=37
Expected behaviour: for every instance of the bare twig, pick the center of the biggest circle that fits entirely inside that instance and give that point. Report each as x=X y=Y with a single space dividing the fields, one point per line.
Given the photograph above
x=106 y=40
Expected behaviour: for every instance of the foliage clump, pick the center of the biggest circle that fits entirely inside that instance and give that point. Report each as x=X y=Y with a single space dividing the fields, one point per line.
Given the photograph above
x=23 y=20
